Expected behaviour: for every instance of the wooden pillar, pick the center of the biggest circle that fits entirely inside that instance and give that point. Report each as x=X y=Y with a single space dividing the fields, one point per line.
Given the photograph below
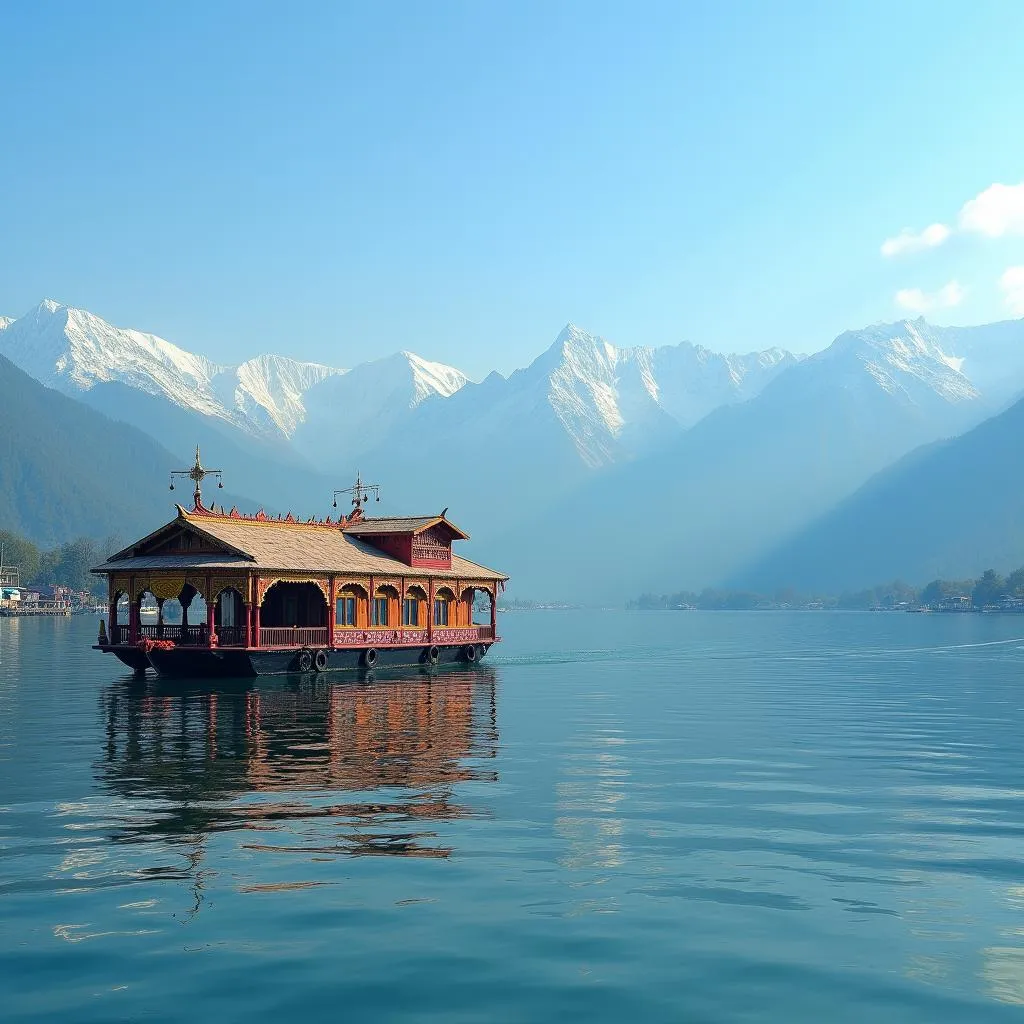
x=211 y=631
x=133 y=620
x=247 y=614
x=256 y=623
x=332 y=609
x=372 y=596
x=430 y=610
x=160 y=617
x=494 y=612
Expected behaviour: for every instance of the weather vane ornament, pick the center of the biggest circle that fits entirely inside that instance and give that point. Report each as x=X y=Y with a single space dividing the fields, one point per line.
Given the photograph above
x=197 y=474
x=361 y=494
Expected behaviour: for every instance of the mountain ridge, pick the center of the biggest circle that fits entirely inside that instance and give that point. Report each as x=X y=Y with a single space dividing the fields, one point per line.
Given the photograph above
x=63 y=467
x=747 y=475
x=949 y=509
x=724 y=456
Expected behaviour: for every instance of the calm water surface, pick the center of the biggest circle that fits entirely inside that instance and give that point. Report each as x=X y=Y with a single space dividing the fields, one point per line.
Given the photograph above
x=655 y=816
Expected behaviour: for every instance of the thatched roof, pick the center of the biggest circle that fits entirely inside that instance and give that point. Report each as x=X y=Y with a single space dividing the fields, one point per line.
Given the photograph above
x=280 y=546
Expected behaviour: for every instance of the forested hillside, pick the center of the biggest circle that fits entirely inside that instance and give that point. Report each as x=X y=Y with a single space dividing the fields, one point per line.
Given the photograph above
x=68 y=471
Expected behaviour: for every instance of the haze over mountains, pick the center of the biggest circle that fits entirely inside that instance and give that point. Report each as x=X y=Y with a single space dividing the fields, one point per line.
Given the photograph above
x=594 y=473
x=939 y=513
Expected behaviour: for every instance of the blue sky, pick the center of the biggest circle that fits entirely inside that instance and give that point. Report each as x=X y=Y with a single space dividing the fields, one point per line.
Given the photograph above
x=337 y=181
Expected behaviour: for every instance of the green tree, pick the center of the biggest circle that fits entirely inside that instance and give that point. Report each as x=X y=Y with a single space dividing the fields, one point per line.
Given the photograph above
x=989 y=589
x=20 y=553
x=1015 y=583
x=69 y=565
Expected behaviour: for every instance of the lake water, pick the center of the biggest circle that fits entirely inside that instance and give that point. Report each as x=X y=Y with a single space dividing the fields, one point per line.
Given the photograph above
x=647 y=816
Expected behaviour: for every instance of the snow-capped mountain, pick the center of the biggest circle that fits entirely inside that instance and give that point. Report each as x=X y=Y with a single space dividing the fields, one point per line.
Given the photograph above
x=610 y=403
x=991 y=356
x=721 y=456
x=370 y=402
x=615 y=401
x=906 y=359
x=739 y=481
x=73 y=351
x=6 y=321
x=269 y=391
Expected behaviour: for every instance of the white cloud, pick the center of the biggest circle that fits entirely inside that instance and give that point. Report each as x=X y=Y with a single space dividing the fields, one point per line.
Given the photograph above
x=918 y=301
x=911 y=241
x=997 y=211
x=1012 y=283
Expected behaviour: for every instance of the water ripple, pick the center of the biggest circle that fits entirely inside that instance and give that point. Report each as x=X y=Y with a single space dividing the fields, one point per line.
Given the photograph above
x=668 y=816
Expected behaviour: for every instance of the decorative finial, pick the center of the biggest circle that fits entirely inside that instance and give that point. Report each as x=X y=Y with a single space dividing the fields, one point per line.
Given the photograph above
x=197 y=474
x=360 y=494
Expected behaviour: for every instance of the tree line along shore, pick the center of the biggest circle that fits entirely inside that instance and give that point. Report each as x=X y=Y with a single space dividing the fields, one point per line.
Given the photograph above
x=988 y=592
x=66 y=565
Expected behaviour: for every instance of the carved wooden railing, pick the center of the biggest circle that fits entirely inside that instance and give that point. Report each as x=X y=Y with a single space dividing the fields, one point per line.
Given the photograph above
x=463 y=635
x=293 y=636
x=379 y=637
x=191 y=636
x=390 y=637
x=231 y=636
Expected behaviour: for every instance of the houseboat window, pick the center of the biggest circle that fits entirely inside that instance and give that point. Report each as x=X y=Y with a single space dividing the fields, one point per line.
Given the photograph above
x=346 y=611
x=440 y=611
x=380 y=611
x=411 y=612
x=228 y=608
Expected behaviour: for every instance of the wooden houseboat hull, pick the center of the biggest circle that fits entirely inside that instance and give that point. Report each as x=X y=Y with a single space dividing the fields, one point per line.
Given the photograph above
x=135 y=659
x=214 y=663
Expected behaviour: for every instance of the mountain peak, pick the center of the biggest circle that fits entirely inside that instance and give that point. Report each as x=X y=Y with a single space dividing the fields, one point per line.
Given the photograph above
x=906 y=357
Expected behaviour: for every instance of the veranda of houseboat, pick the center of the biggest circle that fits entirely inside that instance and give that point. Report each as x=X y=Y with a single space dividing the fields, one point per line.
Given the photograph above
x=257 y=612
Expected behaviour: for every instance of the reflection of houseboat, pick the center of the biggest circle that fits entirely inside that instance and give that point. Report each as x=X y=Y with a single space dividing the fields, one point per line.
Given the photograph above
x=400 y=746
x=284 y=595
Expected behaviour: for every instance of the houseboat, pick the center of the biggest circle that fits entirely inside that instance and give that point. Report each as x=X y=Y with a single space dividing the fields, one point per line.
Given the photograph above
x=261 y=595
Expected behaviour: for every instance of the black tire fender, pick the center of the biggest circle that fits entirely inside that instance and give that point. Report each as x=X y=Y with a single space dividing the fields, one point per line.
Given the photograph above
x=469 y=652
x=305 y=660
x=320 y=661
x=370 y=657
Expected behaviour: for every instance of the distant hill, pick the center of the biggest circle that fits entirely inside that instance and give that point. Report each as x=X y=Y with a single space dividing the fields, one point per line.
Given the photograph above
x=67 y=470
x=950 y=509
x=595 y=473
x=731 y=488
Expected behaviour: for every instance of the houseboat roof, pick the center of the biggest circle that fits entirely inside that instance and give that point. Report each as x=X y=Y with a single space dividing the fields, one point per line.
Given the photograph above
x=262 y=542
x=402 y=524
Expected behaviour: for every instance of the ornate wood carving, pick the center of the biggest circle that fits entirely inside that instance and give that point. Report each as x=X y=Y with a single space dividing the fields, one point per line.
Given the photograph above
x=119 y=583
x=433 y=545
x=198 y=583
x=220 y=583
x=264 y=583
x=162 y=586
